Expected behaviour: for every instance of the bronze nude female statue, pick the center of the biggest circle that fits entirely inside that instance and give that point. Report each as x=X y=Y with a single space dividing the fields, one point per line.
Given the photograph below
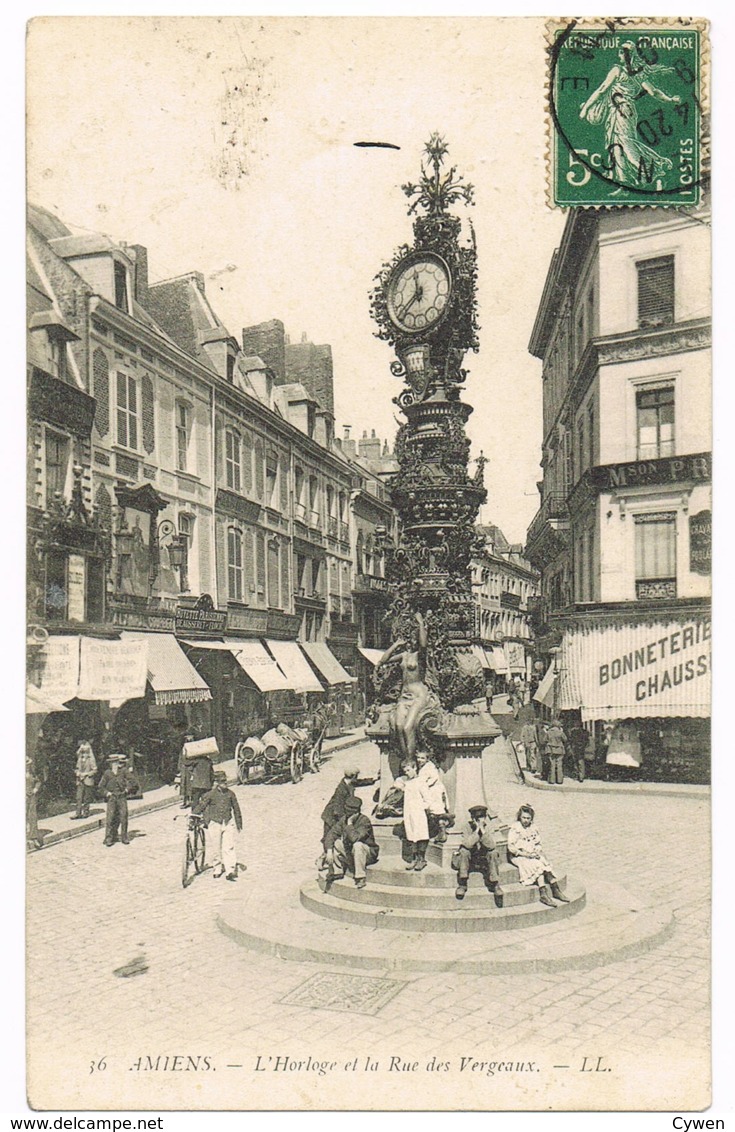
x=415 y=696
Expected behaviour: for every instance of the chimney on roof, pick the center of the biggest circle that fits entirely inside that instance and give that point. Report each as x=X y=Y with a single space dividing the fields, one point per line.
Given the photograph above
x=347 y=429
x=140 y=276
x=369 y=447
x=304 y=339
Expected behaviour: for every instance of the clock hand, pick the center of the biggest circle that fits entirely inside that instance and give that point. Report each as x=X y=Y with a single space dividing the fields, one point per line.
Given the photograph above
x=416 y=295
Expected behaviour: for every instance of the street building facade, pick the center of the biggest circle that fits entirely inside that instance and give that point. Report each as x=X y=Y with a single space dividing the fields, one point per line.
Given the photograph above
x=505 y=585
x=622 y=537
x=198 y=539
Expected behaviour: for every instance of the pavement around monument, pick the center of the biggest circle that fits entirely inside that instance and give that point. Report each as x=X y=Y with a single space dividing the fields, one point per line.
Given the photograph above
x=126 y=966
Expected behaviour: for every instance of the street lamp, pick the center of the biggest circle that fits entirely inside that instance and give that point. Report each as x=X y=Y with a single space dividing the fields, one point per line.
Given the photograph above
x=177 y=546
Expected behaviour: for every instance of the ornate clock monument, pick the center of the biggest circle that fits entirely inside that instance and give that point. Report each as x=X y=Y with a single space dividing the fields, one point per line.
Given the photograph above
x=430 y=687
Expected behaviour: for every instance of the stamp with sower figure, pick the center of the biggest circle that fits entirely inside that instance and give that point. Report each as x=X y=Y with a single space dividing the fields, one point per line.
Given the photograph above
x=627 y=103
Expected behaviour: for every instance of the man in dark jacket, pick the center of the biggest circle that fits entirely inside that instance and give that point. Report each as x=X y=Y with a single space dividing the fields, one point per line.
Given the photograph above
x=201 y=777
x=334 y=810
x=350 y=843
x=477 y=853
x=222 y=815
x=557 y=746
x=116 y=786
x=578 y=741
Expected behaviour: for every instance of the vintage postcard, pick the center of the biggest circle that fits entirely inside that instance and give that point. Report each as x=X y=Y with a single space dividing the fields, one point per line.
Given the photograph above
x=369 y=511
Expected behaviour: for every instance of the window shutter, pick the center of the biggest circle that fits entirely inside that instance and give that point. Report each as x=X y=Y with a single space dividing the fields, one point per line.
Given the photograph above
x=656 y=291
x=285 y=577
x=148 y=420
x=260 y=551
x=259 y=471
x=284 y=484
x=219 y=455
x=101 y=391
x=247 y=464
x=273 y=575
x=249 y=582
x=220 y=551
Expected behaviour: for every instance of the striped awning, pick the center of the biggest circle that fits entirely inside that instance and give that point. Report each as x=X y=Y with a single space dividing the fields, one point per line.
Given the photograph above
x=295 y=666
x=479 y=654
x=260 y=666
x=171 y=675
x=326 y=662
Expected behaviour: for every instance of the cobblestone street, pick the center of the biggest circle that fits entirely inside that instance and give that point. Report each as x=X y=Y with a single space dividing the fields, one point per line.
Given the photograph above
x=125 y=965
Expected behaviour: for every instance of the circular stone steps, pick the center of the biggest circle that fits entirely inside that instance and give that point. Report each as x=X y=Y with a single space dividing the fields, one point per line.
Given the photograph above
x=612 y=927
x=430 y=911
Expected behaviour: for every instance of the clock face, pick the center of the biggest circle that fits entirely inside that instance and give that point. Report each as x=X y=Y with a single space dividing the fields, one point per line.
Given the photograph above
x=418 y=292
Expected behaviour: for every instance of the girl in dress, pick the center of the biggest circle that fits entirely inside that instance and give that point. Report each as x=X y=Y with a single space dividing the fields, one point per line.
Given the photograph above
x=525 y=852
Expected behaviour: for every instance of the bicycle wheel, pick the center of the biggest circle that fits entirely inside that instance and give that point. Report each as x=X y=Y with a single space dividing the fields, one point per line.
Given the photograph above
x=297 y=763
x=186 y=861
x=200 y=848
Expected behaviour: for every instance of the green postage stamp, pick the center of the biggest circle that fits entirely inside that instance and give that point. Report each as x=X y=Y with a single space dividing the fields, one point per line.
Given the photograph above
x=627 y=103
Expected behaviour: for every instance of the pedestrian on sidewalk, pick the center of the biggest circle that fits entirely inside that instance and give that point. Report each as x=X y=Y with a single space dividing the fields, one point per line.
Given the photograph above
x=477 y=853
x=525 y=852
x=416 y=804
x=542 y=739
x=116 y=786
x=557 y=746
x=85 y=773
x=530 y=746
x=222 y=816
x=350 y=845
x=578 y=743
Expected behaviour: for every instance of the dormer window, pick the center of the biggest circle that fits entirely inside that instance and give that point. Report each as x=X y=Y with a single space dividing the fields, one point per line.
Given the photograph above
x=121 y=287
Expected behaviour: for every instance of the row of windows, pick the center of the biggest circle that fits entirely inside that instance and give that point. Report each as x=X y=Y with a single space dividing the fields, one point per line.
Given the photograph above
x=127 y=416
x=257 y=565
x=655 y=297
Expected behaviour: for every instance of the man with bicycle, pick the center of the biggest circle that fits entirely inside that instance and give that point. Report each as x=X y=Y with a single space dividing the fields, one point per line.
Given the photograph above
x=221 y=812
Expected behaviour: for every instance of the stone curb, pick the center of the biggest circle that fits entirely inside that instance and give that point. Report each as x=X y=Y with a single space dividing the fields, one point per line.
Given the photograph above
x=97 y=823
x=594 y=786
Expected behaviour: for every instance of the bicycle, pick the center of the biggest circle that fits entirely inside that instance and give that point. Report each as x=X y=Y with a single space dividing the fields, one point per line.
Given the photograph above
x=195 y=848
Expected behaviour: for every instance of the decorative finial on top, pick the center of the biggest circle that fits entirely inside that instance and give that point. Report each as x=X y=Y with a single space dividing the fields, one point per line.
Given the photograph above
x=434 y=192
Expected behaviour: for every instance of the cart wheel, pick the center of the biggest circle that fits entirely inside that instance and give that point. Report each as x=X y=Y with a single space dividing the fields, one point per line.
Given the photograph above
x=297 y=763
x=200 y=849
x=241 y=777
x=186 y=862
x=315 y=758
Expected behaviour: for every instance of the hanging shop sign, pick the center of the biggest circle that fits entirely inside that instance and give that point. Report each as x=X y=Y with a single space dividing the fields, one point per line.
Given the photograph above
x=700 y=542
x=76 y=574
x=633 y=670
x=112 y=670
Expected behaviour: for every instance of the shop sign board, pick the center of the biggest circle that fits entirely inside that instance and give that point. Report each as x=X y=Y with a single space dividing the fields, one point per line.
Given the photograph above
x=200 y=618
x=59 y=668
x=75 y=587
x=700 y=542
x=515 y=656
x=671 y=469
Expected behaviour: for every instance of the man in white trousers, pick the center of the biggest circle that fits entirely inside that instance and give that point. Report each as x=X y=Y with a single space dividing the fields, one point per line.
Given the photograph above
x=221 y=812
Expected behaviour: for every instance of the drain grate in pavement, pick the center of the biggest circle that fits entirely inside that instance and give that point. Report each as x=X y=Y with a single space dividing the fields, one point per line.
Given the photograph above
x=354 y=994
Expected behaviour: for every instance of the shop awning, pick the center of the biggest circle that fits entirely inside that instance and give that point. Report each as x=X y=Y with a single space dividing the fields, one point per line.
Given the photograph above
x=171 y=675
x=259 y=665
x=295 y=666
x=373 y=655
x=326 y=662
x=479 y=654
x=501 y=664
x=644 y=668
x=544 y=694
x=489 y=659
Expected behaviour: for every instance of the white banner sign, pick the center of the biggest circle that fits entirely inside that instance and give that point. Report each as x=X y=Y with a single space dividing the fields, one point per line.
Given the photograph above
x=59 y=669
x=113 y=670
x=629 y=671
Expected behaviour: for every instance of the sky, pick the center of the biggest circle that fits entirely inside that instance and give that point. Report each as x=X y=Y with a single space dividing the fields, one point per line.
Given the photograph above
x=225 y=146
